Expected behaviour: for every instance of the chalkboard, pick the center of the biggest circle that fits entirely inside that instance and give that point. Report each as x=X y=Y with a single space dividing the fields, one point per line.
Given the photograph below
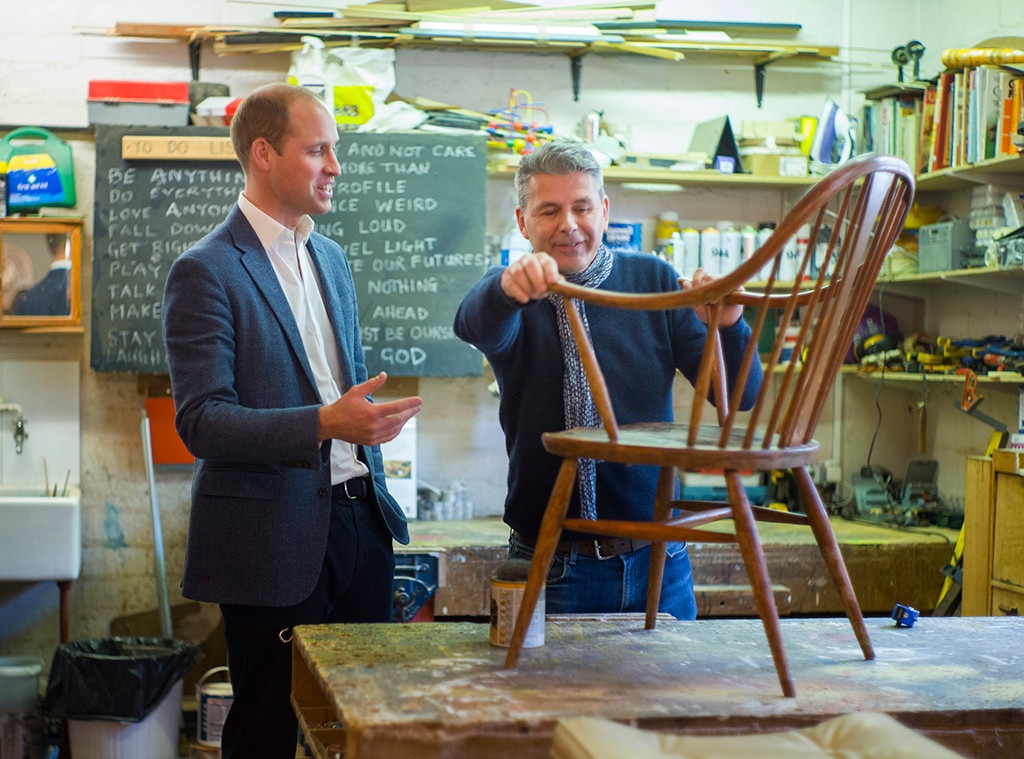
x=409 y=209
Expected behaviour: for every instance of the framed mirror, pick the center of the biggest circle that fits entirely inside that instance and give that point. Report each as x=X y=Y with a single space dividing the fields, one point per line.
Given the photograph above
x=40 y=258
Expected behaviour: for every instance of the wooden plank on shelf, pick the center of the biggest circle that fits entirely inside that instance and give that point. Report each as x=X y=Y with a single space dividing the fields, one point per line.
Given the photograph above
x=157 y=31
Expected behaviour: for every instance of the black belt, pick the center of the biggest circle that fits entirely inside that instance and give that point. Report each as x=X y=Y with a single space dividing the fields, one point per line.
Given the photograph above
x=600 y=548
x=355 y=489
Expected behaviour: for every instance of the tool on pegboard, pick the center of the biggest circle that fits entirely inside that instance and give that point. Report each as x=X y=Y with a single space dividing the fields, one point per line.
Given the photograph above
x=969 y=402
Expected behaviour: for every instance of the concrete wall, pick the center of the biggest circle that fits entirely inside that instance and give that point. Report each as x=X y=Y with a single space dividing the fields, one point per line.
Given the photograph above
x=50 y=50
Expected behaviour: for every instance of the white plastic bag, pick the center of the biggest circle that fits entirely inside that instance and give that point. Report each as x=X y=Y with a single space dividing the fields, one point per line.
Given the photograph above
x=362 y=79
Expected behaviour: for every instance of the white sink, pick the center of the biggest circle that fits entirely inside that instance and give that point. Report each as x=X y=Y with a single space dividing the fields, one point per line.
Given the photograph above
x=40 y=537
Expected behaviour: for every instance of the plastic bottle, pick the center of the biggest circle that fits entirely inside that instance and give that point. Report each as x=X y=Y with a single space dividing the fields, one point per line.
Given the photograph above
x=3 y=188
x=678 y=255
x=668 y=225
x=308 y=70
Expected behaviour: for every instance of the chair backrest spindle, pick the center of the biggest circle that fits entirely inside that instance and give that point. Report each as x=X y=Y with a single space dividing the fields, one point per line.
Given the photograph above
x=853 y=216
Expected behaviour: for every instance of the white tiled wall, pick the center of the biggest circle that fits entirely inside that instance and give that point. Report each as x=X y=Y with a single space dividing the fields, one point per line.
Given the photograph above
x=48 y=393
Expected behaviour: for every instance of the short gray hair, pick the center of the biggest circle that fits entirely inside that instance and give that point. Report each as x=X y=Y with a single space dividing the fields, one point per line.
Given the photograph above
x=560 y=158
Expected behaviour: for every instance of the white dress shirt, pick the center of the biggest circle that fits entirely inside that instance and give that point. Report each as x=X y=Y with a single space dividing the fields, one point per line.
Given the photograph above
x=290 y=258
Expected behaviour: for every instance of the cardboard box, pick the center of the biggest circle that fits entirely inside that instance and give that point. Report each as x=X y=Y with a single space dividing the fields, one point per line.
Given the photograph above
x=778 y=130
x=776 y=164
x=216 y=111
x=138 y=103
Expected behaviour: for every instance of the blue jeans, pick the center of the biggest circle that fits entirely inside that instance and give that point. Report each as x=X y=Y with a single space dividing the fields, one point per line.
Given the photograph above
x=588 y=585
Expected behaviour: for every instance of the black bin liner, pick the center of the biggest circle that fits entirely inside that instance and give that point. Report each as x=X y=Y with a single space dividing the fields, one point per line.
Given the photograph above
x=115 y=679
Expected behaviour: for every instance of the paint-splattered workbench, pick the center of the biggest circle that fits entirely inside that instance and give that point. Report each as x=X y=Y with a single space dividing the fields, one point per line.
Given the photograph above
x=887 y=567
x=439 y=690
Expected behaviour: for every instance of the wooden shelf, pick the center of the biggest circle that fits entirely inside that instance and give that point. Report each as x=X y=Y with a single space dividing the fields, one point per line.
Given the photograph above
x=1001 y=170
x=618 y=175
x=915 y=378
x=1009 y=279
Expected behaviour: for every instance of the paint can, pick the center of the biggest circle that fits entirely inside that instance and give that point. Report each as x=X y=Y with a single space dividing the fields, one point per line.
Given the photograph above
x=507 y=588
x=214 y=702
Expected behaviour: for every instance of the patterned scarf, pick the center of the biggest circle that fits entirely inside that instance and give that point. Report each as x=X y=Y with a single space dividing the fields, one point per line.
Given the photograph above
x=580 y=410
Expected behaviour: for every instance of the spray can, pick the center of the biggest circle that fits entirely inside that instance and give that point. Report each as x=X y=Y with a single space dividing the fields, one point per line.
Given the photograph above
x=821 y=252
x=691 y=252
x=764 y=231
x=748 y=242
x=802 y=240
x=711 y=250
x=730 y=247
x=788 y=267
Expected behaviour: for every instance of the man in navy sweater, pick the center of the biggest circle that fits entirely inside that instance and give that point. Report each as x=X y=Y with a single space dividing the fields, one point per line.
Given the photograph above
x=521 y=329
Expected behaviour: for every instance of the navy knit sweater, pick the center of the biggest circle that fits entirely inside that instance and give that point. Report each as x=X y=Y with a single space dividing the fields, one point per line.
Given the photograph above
x=639 y=353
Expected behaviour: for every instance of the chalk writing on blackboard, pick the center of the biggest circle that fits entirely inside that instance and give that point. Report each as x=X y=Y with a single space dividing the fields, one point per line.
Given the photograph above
x=409 y=209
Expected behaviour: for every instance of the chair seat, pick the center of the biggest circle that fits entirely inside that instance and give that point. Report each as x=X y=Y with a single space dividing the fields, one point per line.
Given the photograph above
x=666 y=444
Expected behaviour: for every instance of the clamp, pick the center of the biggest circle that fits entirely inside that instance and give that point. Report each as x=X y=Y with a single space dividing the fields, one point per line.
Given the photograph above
x=969 y=403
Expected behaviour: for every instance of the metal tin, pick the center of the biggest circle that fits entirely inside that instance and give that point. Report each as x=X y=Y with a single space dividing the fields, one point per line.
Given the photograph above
x=506 y=599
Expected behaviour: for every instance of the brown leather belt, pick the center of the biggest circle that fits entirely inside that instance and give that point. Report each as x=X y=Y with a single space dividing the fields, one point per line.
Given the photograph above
x=600 y=548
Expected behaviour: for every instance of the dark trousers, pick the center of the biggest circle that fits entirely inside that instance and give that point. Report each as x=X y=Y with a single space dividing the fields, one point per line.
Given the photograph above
x=355 y=585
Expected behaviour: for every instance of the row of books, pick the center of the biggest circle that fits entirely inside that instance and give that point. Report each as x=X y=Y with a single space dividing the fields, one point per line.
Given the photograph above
x=961 y=118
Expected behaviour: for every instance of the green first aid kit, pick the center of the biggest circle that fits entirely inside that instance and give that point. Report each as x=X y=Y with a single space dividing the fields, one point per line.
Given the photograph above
x=40 y=171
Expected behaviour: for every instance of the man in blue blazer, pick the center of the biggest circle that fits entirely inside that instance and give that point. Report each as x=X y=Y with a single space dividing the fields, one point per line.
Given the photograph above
x=50 y=296
x=291 y=521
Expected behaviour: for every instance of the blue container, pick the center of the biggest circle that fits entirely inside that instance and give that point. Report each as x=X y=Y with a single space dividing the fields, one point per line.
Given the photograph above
x=624 y=236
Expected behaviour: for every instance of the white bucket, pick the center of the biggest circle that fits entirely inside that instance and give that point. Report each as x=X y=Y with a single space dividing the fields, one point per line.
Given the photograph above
x=155 y=737
x=214 y=702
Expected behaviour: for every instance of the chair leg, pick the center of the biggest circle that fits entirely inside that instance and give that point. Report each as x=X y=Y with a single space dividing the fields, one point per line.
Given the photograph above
x=656 y=570
x=829 y=547
x=543 y=552
x=757 y=572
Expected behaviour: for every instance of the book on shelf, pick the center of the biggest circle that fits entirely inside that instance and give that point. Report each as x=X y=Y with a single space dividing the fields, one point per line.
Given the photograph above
x=958 y=141
x=892 y=123
x=924 y=147
x=981 y=107
x=941 y=122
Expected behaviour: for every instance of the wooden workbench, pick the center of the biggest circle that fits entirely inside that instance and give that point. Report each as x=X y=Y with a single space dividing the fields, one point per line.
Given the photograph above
x=886 y=566
x=439 y=690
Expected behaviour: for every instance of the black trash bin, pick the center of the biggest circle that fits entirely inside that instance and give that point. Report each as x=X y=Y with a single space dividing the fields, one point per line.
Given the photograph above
x=121 y=696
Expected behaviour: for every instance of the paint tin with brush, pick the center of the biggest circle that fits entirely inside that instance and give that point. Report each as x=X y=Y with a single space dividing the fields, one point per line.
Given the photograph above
x=507 y=588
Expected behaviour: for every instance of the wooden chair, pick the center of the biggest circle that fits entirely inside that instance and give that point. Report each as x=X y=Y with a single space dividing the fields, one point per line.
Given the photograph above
x=854 y=215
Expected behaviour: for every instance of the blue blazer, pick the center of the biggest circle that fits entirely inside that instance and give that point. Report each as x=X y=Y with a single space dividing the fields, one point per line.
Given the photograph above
x=246 y=408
